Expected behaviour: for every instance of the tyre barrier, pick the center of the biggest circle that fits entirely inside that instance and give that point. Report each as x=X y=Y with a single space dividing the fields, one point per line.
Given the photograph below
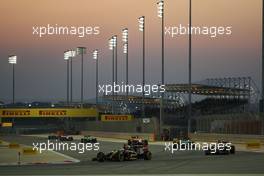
x=13 y=145
x=29 y=151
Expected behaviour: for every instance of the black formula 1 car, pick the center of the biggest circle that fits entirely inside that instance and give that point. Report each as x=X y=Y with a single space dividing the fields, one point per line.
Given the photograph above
x=137 y=142
x=122 y=155
x=135 y=149
x=225 y=150
x=65 y=138
x=53 y=137
x=88 y=139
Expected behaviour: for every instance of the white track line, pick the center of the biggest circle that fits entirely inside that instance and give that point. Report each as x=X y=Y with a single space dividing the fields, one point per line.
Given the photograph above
x=66 y=156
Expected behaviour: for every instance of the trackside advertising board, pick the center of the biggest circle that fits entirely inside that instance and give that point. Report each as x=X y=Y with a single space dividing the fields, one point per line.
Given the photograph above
x=48 y=112
x=7 y=124
x=116 y=118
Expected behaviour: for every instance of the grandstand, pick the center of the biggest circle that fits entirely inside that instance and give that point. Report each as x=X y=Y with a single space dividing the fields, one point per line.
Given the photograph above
x=211 y=97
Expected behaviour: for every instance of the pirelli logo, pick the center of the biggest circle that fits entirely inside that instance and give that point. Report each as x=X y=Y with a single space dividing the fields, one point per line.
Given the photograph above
x=6 y=124
x=48 y=112
x=53 y=113
x=16 y=113
x=116 y=118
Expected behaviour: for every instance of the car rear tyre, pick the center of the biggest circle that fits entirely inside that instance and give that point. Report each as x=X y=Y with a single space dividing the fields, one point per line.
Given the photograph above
x=232 y=150
x=207 y=152
x=120 y=156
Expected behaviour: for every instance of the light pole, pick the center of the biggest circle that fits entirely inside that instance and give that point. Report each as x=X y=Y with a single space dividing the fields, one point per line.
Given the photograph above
x=160 y=6
x=66 y=57
x=115 y=46
x=262 y=95
x=125 y=51
x=111 y=47
x=13 y=60
x=115 y=55
x=190 y=68
x=95 y=57
x=70 y=54
x=141 y=21
x=81 y=51
x=262 y=103
x=71 y=80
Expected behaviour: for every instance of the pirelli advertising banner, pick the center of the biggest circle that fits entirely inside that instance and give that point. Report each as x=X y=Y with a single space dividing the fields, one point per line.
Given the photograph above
x=116 y=118
x=48 y=112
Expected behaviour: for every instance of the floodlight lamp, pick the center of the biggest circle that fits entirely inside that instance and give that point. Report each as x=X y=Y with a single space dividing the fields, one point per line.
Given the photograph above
x=12 y=59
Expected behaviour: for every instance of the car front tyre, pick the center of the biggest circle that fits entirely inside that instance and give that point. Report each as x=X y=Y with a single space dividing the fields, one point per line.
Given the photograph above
x=147 y=155
x=100 y=157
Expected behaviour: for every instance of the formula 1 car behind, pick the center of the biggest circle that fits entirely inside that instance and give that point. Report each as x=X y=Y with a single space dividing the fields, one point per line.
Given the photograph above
x=53 y=137
x=224 y=151
x=66 y=138
x=137 y=141
x=88 y=139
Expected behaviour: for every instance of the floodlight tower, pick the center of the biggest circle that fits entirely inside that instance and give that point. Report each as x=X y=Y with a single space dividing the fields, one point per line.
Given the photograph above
x=160 y=8
x=141 y=21
x=13 y=61
x=125 y=51
x=81 y=51
x=67 y=58
x=95 y=57
x=112 y=46
x=190 y=68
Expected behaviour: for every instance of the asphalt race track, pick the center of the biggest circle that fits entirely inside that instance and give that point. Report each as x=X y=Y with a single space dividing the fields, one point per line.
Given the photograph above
x=191 y=162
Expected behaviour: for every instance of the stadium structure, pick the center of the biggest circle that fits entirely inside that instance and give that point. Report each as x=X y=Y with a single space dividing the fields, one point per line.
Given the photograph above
x=221 y=105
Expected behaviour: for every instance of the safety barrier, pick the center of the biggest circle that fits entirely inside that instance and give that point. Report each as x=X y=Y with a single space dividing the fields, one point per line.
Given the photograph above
x=234 y=138
x=116 y=135
x=3 y=144
x=29 y=151
x=253 y=145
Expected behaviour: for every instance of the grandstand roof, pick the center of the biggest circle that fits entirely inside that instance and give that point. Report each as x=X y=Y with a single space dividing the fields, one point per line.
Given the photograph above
x=201 y=89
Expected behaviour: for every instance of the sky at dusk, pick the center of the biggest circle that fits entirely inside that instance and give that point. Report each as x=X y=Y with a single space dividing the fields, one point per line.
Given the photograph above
x=41 y=70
